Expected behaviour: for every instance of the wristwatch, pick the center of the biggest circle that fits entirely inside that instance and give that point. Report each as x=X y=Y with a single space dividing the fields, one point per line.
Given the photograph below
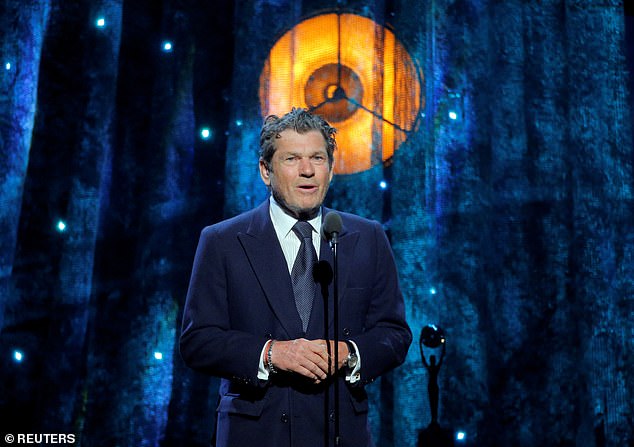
x=352 y=359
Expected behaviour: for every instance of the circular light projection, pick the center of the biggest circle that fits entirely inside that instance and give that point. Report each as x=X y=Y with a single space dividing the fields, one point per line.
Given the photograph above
x=354 y=73
x=334 y=91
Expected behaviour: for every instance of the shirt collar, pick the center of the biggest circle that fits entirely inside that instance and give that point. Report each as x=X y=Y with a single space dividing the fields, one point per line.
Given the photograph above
x=283 y=223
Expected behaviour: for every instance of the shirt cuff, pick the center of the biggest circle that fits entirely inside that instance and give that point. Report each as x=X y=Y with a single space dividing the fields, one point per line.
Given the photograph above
x=263 y=372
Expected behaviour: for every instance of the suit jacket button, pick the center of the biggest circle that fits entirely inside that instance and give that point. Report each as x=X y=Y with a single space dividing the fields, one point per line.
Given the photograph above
x=284 y=418
x=346 y=331
x=268 y=336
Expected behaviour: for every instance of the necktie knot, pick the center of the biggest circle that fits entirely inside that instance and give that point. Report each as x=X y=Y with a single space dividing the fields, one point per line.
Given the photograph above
x=303 y=229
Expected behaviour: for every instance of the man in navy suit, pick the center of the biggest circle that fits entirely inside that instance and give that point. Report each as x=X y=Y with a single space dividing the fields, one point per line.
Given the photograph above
x=241 y=321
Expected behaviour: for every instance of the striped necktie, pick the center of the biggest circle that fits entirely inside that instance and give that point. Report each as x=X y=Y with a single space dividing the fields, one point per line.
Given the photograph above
x=302 y=272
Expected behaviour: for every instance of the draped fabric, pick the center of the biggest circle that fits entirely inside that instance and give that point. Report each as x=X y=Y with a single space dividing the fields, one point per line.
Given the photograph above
x=526 y=212
x=509 y=209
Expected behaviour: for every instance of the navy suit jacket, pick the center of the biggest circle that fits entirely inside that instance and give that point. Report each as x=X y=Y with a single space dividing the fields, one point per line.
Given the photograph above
x=240 y=295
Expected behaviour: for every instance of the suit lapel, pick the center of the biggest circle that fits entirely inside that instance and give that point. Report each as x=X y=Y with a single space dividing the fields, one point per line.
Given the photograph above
x=347 y=242
x=267 y=260
x=265 y=255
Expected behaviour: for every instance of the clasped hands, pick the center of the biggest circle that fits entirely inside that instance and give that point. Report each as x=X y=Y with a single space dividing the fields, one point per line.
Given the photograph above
x=308 y=358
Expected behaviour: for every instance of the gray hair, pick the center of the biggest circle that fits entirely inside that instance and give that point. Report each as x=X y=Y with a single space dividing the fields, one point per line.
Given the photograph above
x=299 y=120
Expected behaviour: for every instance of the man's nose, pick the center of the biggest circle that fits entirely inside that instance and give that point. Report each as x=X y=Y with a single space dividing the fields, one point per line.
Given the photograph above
x=306 y=168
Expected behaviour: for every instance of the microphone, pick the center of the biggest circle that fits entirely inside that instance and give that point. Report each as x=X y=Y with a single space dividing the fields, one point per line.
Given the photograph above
x=331 y=227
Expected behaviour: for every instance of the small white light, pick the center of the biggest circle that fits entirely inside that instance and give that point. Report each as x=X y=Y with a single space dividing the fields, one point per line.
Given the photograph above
x=101 y=22
x=7 y=66
x=238 y=123
x=18 y=356
x=61 y=226
x=460 y=436
x=167 y=46
x=453 y=115
x=158 y=355
x=383 y=184
x=432 y=290
x=205 y=133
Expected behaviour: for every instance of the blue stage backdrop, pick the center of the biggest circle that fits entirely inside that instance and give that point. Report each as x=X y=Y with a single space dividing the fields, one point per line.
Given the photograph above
x=127 y=126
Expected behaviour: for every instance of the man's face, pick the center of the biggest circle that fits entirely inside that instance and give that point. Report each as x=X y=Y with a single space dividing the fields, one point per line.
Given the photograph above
x=300 y=173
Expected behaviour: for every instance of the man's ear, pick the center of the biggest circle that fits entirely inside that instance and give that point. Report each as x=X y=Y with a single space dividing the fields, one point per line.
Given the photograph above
x=265 y=173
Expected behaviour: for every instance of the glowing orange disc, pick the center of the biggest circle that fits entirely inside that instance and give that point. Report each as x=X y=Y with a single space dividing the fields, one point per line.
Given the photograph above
x=354 y=73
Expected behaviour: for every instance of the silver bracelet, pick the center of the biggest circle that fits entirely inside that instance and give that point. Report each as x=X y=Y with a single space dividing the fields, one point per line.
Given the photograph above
x=269 y=362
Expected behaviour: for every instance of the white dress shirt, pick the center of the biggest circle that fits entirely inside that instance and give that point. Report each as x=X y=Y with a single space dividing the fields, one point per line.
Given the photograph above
x=290 y=243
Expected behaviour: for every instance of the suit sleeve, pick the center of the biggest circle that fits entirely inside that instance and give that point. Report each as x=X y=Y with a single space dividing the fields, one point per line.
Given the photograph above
x=386 y=337
x=207 y=342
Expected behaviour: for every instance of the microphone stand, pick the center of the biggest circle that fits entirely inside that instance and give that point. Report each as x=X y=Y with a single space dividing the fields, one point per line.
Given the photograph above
x=330 y=231
x=335 y=311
